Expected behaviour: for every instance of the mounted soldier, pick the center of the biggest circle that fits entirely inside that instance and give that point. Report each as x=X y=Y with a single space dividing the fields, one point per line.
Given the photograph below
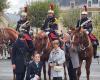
x=86 y=24
x=23 y=26
x=50 y=26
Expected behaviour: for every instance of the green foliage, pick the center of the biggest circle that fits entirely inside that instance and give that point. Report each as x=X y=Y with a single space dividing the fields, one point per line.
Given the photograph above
x=96 y=19
x=96 y=25
x=3 y=5
x=70 y=17
x=37 y=12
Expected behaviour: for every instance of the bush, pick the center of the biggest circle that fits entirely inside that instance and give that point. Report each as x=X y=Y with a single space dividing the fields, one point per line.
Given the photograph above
x=70 y=17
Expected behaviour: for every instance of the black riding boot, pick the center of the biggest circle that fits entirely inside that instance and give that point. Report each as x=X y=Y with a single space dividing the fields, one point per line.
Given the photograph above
x=95 y=51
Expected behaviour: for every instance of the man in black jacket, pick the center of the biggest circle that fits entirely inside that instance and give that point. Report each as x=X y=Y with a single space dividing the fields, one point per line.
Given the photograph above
x=23 y=26
x=19 y=51
x=85 y=22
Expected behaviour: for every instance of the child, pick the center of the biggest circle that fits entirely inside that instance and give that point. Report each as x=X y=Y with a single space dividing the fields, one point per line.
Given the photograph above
x=34 y=68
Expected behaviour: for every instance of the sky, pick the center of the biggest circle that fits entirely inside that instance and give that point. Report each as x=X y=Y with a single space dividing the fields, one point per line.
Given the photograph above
x=15 y=5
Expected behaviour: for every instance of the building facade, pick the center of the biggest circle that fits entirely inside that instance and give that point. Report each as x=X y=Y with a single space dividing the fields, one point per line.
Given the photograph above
x=92 y=5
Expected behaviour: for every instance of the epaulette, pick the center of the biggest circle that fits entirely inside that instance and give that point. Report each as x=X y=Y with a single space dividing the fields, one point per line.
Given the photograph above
x=56 y=21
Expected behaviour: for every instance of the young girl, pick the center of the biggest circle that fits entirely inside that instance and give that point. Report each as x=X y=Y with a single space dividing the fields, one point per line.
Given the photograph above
x=34 y=68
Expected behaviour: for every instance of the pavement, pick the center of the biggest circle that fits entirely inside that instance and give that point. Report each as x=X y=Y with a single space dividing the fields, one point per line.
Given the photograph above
x=6 y=70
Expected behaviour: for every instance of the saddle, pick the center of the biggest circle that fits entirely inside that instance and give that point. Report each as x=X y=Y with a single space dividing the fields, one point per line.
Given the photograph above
x=53 y=36
x=93 y=39
x=27 y=36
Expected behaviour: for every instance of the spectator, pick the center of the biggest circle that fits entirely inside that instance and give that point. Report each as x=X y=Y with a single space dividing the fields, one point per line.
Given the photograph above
x=19 y=51
x=56 y=61
x=34 y=68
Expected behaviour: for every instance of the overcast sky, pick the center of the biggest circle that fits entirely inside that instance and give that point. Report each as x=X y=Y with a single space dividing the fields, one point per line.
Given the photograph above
x=15 y=5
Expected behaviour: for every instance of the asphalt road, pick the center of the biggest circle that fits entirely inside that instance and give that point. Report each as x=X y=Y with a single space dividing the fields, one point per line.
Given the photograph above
x=6 y=70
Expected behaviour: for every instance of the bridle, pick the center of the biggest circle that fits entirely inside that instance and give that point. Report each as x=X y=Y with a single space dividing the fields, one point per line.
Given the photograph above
x=82 y=45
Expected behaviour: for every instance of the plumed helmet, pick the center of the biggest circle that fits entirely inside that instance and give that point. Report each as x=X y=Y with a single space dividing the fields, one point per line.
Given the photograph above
x=51 y=8
x=50 y=11
x=84 y=12
x=23 y=14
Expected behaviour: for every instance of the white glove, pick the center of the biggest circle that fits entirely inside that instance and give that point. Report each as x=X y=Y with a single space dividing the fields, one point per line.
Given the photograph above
x=47 y=33
x=35 y=78
x=87 y=32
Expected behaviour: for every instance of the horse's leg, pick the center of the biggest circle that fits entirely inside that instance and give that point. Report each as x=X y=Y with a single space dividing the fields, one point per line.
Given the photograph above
x=49 y=72
x=9 y=53
x=6 y=53
x=65 y=77
x=79 y=70
x=88 y=63
x=1 y=53
x=44 y=70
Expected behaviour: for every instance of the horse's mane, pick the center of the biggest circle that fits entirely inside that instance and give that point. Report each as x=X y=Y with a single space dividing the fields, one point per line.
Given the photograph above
x=9 y=32
x=11 y=29
x=84 y=35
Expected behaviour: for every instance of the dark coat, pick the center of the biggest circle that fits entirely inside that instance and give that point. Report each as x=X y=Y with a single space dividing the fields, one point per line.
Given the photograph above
x=33 y=69
x=19 y=51
x=50 y=22
x=88 y=26
x=19 y=23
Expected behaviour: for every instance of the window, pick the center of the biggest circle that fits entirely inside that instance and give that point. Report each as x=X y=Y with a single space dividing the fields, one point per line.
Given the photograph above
x=72 y=4
x=82 y=1
x=89 y=3
x=95 y=1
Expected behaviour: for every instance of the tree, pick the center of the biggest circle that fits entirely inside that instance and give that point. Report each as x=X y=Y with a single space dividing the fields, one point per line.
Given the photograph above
x=37 y=12
x=70 y=17
x=3 y=5
x=96 y=25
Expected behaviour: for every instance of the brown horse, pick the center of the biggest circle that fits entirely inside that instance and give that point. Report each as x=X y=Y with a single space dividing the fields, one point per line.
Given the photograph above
x=7 y=34
x=85 y=50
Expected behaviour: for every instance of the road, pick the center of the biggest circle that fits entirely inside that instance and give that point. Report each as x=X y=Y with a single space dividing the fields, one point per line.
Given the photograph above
x=6 y=70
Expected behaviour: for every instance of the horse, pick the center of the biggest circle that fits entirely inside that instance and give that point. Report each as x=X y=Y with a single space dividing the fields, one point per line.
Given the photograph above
x=85 y=50
x=6 y=35
x=44 y=46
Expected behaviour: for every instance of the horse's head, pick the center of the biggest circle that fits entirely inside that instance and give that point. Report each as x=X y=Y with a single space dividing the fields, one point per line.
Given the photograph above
x=41 y=41
x=42 y=45
x=81 y=38
x=7 y=34
x=12 y=34
x=3 y=36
